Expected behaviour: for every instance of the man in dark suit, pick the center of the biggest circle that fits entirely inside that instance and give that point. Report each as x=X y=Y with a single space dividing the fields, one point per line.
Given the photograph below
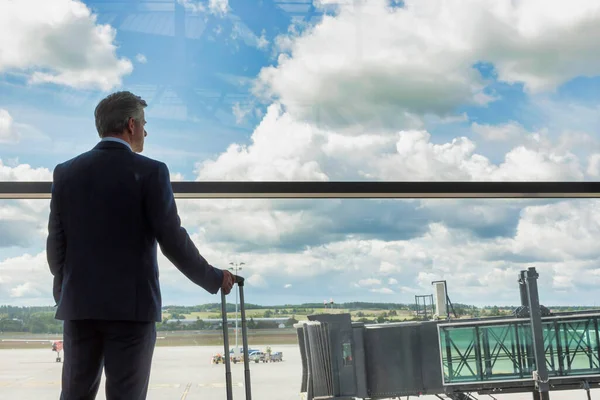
x=110 y=207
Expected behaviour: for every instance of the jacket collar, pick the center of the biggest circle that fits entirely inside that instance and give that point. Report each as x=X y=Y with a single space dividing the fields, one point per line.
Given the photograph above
x=112 y=144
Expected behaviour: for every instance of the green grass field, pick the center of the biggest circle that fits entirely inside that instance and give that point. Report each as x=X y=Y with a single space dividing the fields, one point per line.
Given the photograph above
x=302 y=314
x=259 y=337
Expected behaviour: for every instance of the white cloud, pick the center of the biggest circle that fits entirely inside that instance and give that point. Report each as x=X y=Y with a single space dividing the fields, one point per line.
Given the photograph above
x=177 y=176
x=23 y=222
x=522 y=39
x=59 y=42
x=558 y=239
x=369 y=282
x=568 y=116
x=240 y=112
x=411 y=290
x=273 y=155
x=14 y=133
x=219 y=7
x=383 y=291
x=594 y=165
x=239 y=224
x=192 y=6
x=26 y=289
x=551 y=223
x=441 y=252
x=141 y=58
x=285 y=149
x=372 y=65
x=26 y=280
x=387 y=268
x=8 y=133
x=24 y=172
x=417 y=158
x=10 y=212
x=425 y=70
x=510 y=130
x=257 y=280
x=241 y=30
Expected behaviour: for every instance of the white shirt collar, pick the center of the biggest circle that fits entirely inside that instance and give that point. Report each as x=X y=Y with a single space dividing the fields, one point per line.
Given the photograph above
x=114 y=139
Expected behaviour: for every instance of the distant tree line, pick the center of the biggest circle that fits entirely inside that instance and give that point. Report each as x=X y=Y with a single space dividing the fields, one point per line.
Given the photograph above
x=29 y=319
x=293 y=308
x=268 y=313
x=41 y=319
x=198 y=325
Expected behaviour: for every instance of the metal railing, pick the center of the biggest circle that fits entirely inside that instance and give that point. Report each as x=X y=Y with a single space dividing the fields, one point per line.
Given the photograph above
x=342 y=189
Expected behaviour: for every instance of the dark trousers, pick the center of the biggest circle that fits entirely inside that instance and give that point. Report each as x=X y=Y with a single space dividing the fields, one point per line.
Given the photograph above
x=124 y=349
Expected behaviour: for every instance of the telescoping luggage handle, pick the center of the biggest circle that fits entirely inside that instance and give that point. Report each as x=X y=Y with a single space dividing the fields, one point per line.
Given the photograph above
x=240 y=282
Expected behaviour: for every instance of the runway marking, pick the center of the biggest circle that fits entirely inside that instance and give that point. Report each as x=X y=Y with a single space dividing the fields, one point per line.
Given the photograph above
x=219 y=385
x=187 y=390
x=165 y=385
x=17 y=380
x=40 y=383
x=30 y=383
x=153 y=386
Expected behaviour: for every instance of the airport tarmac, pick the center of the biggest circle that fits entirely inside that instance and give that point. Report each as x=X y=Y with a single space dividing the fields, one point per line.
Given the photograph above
x=178 y=373
x=186 y=373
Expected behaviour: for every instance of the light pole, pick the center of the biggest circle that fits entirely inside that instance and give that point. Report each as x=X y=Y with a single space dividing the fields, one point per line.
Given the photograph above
x=236 y=267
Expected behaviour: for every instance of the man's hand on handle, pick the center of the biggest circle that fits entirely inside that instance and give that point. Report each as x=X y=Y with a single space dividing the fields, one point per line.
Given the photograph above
x=227 y=282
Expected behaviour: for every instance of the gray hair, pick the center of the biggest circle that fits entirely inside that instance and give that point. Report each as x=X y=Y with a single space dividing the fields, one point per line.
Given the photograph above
x=113 y=112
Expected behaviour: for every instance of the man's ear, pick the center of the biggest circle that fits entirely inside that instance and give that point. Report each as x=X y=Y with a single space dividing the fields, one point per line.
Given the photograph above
x=131 y=125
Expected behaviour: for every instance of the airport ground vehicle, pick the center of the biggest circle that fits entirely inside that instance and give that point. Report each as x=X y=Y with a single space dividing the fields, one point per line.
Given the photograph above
x=236 y=357
x=218 y=359
x=276 y=357
x=259 y=356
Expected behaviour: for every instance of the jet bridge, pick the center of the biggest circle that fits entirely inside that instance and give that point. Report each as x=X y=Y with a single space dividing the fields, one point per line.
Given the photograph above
x=346 y=360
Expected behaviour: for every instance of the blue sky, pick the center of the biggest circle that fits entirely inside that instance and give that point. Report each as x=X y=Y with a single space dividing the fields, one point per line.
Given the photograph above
x=323 y=90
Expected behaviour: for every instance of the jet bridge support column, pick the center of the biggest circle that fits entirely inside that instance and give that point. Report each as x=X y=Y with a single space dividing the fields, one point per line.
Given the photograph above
x=529 y=279
x=523 y=289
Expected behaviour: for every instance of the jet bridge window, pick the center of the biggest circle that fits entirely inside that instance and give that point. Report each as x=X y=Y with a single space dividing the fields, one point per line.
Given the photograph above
x=504 y=351
x=347 y=353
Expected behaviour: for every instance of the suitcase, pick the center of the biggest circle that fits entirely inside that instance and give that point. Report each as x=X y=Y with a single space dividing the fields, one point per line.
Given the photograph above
x=229 y=387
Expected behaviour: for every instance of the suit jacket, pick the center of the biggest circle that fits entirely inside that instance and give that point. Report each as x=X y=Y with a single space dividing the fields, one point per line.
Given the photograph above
x=109 y=209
